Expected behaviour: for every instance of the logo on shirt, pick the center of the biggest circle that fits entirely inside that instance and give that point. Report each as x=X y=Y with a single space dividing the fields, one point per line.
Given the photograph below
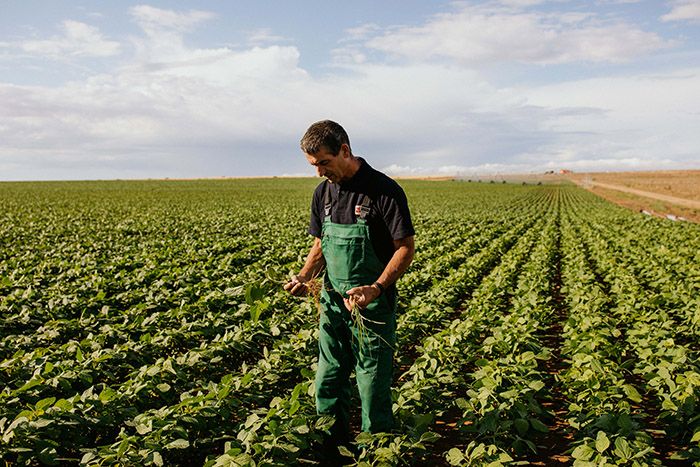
x=362 y=211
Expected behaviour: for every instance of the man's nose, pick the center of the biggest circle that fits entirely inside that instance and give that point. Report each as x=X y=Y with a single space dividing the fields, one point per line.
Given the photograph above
x=321 y=171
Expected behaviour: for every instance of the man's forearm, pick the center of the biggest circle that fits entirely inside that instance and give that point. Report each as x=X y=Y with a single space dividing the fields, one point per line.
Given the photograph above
x=403 y=255
x=399 y=262
x=314 y=262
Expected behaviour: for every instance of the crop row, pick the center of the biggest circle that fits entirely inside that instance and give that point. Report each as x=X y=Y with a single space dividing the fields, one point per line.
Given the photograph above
x=145 y=322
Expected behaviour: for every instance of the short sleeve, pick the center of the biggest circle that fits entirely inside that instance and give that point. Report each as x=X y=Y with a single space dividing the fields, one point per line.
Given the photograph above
x=315 y=222
x=396 y=215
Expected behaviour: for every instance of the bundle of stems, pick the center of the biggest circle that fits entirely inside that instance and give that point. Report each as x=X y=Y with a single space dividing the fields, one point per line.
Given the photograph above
x=360 y=321
x=314 y=287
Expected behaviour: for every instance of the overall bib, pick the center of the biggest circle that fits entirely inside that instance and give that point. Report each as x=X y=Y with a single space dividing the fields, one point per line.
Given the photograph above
x=351 y=262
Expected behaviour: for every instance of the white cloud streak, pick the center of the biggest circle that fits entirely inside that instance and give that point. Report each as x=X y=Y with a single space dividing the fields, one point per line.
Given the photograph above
x=264 y=36
x=475 y=35
x=684 y=10
x=79 y=40
x=156 y=20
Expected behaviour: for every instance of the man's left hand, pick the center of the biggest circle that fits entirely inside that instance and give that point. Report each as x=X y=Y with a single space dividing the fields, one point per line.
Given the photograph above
x=361 y=296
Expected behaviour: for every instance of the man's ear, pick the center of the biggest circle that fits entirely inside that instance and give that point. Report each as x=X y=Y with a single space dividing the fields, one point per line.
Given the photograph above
x=345 y=150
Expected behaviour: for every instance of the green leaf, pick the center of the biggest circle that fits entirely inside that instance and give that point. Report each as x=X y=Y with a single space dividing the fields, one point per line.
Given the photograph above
x=539 y=426
x=45 y=403
x=461 y=403
x=429 y=437
x=345 y=452
x=364 y=438
x=536 y=385
x=294 y=407
x=624 y=421
x=143 y=428
x=122 y=448
x=25 y=414
x=302 y=429
x=28 y=385
x=223 y=392
x=157 y=458
x=168 y=366
x=253 y=293
x=41 y=422
x=503 y=458
x=632 y=393
x=668 y=404
x=478 y=451
x=582 y=452
x=47 y=456
x=622 y=448
x=521 y=425
x=455 y=456
x=602 y=442
x=107 y=394
x=64 y=405
x=87 y=457
x=178 y=444
x=257 y=309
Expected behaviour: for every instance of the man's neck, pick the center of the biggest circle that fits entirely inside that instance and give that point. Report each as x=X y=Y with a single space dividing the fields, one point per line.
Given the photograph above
x=352 y=168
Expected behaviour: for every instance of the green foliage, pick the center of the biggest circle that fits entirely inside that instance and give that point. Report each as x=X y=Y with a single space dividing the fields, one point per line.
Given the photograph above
x=143 y=323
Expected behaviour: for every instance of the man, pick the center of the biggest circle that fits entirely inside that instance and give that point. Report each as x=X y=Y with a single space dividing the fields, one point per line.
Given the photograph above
x=364 y=239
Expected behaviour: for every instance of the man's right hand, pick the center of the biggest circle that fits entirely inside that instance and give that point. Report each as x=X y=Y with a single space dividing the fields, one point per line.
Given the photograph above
x=297 y=286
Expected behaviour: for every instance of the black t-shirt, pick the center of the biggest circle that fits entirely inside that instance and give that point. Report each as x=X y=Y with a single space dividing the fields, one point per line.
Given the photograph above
x=389 y=218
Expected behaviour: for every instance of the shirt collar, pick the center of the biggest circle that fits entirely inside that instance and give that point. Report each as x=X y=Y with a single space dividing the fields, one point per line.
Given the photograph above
x=359 y=176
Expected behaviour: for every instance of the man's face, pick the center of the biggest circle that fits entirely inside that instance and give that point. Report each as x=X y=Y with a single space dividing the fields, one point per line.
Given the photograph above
x=333 y=167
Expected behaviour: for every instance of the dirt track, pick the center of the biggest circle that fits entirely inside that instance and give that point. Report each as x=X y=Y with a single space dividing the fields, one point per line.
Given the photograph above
x=688 y=203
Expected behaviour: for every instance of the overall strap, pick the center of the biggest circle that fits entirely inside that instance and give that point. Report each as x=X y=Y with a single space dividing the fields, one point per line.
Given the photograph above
x=327 y=200
x=362 y=210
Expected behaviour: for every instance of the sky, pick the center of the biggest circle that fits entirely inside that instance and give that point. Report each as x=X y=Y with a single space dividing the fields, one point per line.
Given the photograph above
x=121 y=90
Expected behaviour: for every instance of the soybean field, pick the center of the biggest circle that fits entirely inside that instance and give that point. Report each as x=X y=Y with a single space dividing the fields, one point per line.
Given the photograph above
x=144 y=323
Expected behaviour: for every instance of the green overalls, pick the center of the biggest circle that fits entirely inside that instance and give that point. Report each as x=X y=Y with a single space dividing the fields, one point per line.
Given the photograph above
x=351 y=262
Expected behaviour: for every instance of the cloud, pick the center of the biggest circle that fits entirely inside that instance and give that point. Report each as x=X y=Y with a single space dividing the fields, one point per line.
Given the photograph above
x=684 y=10
x=78 y=40
x=649 y=117
x=164 y=31
x=264 y=36
x=363 y=31
x=174 y=110
x=189 y=122
x=474 y=35
x=154 y=20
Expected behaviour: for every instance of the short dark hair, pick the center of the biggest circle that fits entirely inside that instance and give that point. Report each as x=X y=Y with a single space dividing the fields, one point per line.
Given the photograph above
x=324 y=134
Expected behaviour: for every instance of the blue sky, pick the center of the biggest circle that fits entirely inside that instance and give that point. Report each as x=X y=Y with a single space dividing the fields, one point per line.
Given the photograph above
x=103 y=90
